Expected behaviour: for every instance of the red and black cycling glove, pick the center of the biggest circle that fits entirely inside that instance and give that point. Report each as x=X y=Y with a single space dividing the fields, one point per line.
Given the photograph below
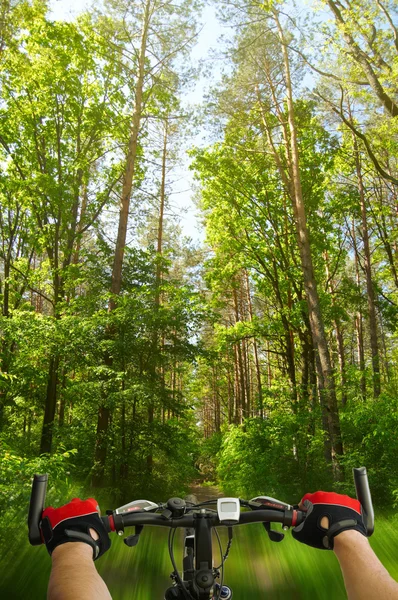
x=342 y=511
x=72 y=523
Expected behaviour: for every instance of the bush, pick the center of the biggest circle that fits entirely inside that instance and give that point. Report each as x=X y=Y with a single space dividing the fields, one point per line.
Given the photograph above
x=271 y=456
x=370 y=438
x=209 y=457
x=16 y=473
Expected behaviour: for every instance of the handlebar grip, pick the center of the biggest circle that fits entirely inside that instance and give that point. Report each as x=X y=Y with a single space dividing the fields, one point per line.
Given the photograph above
x=37 y=500
x=364 y=497
x=300 y=517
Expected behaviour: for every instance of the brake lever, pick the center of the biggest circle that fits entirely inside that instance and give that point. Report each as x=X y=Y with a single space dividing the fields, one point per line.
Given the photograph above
x=261 y=502
x=274 y=536
x=132 y=540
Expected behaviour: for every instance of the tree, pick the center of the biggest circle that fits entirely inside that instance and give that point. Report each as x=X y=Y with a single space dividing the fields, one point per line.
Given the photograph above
x=57 y=125
x=263 y=71
x=167 y=31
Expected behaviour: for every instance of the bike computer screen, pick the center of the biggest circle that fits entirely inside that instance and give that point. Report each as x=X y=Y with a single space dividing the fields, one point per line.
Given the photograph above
x=228 y=510
x=228 y=507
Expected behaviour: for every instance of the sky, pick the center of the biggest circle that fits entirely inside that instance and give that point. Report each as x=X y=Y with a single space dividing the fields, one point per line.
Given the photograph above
x=181 y=197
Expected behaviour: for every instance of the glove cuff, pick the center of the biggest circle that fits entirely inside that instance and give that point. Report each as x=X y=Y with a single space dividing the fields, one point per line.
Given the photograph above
x=339 y=527
x=76 y=530
x=78 y=536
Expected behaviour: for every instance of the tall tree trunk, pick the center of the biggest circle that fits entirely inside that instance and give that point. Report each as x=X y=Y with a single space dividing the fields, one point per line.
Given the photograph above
x=131 y=162
x=241 y=373
x=62 y=401
x=216 y=402
x=80 y=226
x=255 y=350
x=51 y=403
x=6 y=291
x=237 y=388
x=358 y=320
x=328 y=390
x=52 y=377
x=156 y=342
x=269 y=369
x=339 y=334
x=374 y=345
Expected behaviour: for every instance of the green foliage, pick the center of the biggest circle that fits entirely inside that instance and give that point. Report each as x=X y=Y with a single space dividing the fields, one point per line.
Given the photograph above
x=263 y=457
x=258 y=456
x=208 y=459
x=16 y=476
x=16 y=473
x=370 y=438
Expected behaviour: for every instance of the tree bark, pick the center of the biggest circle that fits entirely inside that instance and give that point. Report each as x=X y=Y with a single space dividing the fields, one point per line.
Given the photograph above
x=359 y=321
x=328 y=390
x=255 y=351
x=240 y=368
x=368 y=275
x=131 y=161
x=339 y=334
x=51 y=402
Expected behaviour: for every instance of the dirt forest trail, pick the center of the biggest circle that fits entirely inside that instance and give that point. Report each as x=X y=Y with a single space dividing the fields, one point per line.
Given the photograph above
x=249 y=569
x=205 y=492
x=259 y=573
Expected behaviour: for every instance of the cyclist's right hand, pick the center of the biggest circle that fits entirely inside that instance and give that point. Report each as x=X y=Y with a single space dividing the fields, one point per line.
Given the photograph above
x=327 y=515
x=74 y=522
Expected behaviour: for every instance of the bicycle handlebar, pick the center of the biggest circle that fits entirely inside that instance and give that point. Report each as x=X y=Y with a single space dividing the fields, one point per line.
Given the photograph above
x=364 y=497
x=36 y=507
x=289 y=518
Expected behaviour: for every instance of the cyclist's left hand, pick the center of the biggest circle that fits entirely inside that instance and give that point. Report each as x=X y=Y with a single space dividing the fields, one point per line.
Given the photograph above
x=72 y=523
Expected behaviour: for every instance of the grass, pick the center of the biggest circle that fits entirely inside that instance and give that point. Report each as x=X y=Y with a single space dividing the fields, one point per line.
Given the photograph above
x=256 y=567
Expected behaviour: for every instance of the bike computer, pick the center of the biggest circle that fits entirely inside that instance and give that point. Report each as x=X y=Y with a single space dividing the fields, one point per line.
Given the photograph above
x=228 y=510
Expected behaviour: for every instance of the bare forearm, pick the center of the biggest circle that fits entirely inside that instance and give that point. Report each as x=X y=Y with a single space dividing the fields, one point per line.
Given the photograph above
x=364 y=576
x=74 y=576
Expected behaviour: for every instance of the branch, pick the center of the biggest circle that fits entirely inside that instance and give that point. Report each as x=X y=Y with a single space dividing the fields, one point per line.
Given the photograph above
x=29 y=286
x=323 y=73
x=98 y=211
x=387 y=14
x=359 y=134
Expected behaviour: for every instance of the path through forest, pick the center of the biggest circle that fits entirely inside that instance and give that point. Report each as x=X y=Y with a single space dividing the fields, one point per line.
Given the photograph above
x=257 y=570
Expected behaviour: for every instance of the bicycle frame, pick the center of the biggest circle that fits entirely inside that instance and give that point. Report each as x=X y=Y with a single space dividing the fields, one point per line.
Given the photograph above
x=198 y=576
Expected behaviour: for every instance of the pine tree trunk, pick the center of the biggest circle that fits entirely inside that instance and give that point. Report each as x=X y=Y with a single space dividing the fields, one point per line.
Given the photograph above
x=241 y=374
x=326 y=377
x=62 y=400
x=255 y=351
x=374 y=345
x=158 y=282
x=104 y=413
x=358 y=321
x=339 y=334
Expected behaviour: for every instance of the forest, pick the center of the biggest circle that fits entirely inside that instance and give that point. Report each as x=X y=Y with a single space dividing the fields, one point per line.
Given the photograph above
x=262 y=358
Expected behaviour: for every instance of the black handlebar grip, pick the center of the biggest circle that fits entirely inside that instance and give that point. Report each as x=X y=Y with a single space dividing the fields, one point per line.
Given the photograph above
x=37 y=500
x=364 y=497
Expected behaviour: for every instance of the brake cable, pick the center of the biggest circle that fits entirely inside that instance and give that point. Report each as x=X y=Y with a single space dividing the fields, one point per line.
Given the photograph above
x=185 y=592
x=221 y=567
x=230 y=536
